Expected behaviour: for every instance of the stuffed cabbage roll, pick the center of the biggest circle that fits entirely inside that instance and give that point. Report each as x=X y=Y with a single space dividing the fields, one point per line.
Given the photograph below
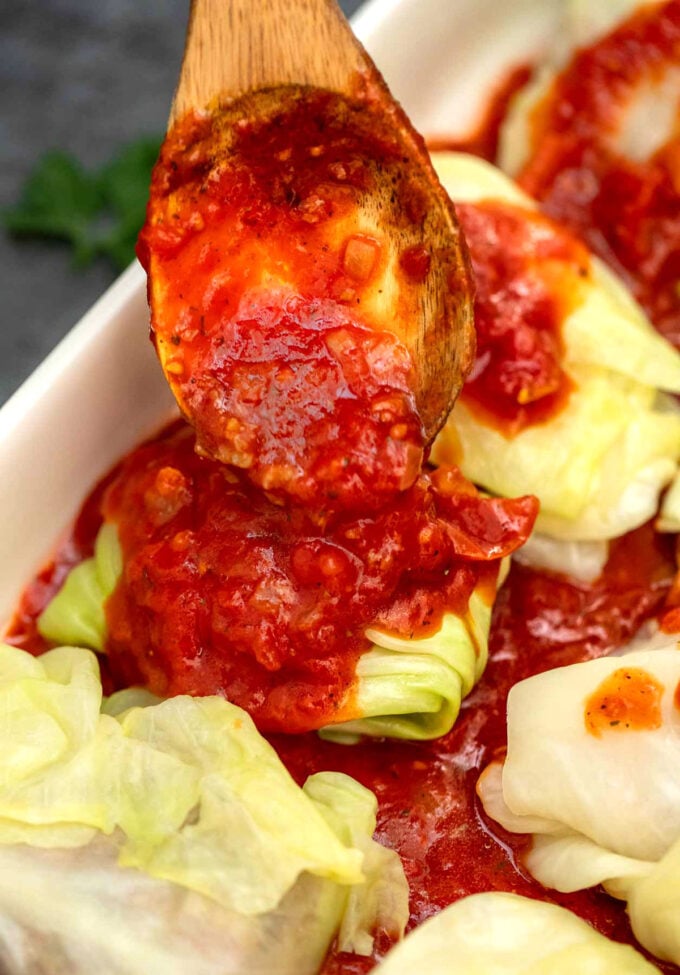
x=376 y=625
x=611 y=176
x=496 y=932
x=593 y=773
x=147 y=838
x=568 y=395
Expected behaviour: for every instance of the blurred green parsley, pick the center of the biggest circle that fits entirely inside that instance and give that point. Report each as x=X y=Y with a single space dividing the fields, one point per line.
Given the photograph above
x=98 y=213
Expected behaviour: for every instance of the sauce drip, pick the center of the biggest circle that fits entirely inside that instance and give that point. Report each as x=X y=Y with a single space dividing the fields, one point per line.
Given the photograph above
x=529 y=274
x=225 y=592
x=627 y=700
x=626 y=210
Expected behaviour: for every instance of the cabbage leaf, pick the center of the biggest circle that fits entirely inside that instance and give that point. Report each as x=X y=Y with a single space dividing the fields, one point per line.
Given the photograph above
x=578 y=560
x=79 y=912
x=75 y=616
x=382 y=901
x=669 y=515
x=187 y=788
x=495 y=932
x=603 y=809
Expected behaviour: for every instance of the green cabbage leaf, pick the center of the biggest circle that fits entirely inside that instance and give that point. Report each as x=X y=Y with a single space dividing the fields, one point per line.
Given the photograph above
x=75 y=616
x=381 y=902
x=187 y=788
x=79 y=912
x=599 y=465
x=605 y=808
x=413 y=688
x=495 y=932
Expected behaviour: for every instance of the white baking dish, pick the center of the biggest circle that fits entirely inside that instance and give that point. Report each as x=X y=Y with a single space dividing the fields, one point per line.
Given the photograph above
x=102 y=390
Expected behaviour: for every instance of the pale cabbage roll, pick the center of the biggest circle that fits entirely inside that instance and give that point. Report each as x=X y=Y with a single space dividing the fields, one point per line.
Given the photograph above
x=593 y=772
x=494 y=933
x=599 y=464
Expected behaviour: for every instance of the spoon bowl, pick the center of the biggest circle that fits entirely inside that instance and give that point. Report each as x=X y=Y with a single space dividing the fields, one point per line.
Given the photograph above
x=289 y=162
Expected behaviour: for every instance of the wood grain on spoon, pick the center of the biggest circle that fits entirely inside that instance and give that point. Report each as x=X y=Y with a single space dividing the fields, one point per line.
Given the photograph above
x=289 y=162
x=235 y=46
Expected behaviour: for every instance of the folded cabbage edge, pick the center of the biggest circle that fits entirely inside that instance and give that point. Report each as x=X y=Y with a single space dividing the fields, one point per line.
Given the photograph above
x=409 y=689
x=412 y=689
x=188 y=792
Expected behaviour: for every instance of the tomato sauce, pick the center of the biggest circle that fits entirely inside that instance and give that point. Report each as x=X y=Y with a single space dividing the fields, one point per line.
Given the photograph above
x=529 y=274
x=627 y=700
x=275 y=293
x=225 y=592
x=626 y=210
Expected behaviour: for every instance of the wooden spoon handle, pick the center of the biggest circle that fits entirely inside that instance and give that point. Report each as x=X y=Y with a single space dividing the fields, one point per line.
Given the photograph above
x=235 y=46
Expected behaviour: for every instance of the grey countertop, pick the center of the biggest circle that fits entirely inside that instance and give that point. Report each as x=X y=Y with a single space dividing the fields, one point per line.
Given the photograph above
x=86 y=77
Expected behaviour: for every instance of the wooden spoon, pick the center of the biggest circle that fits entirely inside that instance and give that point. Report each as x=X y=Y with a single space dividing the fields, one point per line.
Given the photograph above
x=377 y=228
